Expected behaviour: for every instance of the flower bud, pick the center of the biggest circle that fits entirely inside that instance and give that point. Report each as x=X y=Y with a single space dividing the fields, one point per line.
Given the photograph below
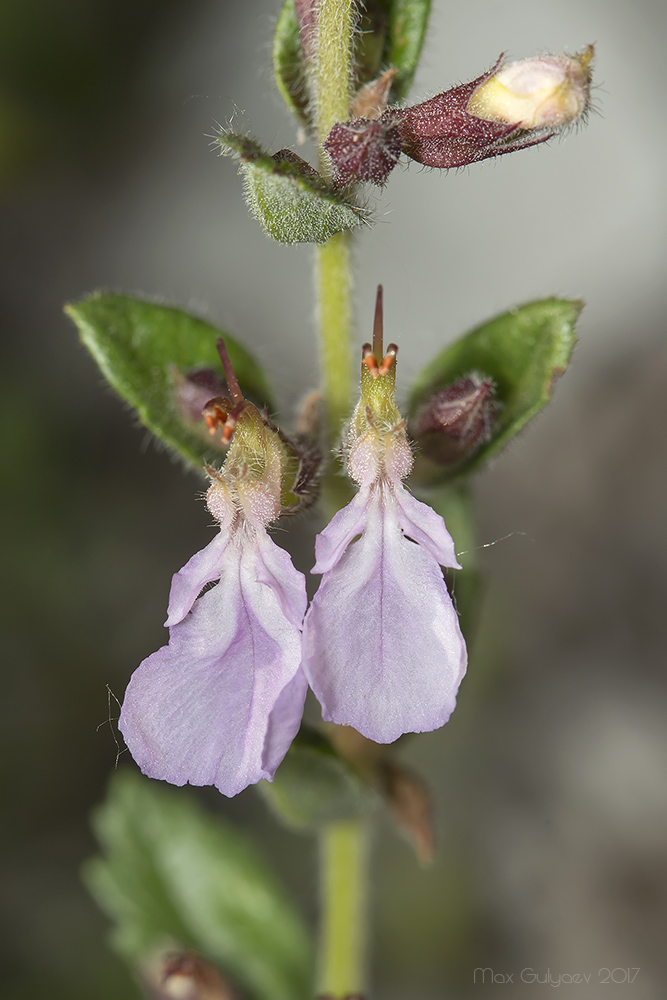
x=411 y=806
x=184 y=976
x=499 y=112
x=192 y=391
x=455 y=421
x=370 y=100
x=544 y=92
x=363 y=150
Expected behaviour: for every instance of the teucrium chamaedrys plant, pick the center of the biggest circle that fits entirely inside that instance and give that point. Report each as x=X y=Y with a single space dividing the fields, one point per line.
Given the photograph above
x=381 y=644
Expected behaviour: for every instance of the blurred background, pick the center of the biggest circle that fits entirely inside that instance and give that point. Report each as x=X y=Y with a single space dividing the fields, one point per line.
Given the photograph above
x=550 y=779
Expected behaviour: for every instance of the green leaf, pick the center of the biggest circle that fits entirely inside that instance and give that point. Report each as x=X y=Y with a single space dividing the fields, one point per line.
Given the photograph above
x=406 y=30
x=314 y=785
x=287 y=196
x=138 y=344
x=169 y=874
x=391 y=34
x=524 y=351
x=287 y=65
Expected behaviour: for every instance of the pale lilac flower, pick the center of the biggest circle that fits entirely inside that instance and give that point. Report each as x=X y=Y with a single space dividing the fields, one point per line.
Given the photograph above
x=383 y=650
x=222 y=702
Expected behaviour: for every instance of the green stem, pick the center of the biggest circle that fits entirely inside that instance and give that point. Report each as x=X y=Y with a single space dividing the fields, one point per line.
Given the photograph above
x=344 y=862
x=335 y=21
x=334 y=266
x=343 y=845
x=334 y=281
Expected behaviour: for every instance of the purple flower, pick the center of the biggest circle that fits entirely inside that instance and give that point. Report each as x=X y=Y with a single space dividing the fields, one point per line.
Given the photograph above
x=222 y=702
x=383 y=650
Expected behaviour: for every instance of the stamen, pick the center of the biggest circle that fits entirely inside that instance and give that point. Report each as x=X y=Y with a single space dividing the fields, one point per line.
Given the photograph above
x=378 y=327
x=388 y=359
x=230 y=377
x=219 y=412
x=368 y=358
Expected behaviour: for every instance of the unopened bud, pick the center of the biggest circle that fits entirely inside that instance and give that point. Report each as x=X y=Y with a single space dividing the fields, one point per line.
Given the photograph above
x=456 y=421
x=411 y=806
x=193 y=391
x=185 y=976
x=363 y=150
x=371 y=100
x=442 y=133
x=544 y=92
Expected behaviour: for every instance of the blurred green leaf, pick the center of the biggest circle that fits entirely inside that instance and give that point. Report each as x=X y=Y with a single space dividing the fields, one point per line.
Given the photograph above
x=287 y=65
x=287 y=196
x=171 y=874
x=137 y=345
x=524 y=351
x=314 y=785
x=391 y=34
x=407 y=21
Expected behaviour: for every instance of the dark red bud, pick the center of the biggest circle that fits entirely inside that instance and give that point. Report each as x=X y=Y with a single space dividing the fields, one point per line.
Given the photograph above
x=410 y=803
x=456 y=420
x=193 y=391
x=441 y=133
x=187 y=976
x=363 y=150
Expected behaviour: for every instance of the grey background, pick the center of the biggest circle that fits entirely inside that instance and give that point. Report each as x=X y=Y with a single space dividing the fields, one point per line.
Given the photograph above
x=550 y=778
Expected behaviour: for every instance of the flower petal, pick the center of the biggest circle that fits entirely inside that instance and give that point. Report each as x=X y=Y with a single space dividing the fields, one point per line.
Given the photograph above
x=275 y=569
x=201 y=710
x=420 y=522
x=383 y=650
x=331 y=543
x=187 y=584
x=284 y=723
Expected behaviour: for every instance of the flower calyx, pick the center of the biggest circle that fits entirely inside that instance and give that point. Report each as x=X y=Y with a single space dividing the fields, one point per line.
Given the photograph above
x=376 y=441
x=265 y=474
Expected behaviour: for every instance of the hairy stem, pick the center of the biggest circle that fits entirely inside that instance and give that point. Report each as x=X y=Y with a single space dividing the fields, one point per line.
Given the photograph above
x=344 y=863
x=342 y=944
x=335 y=26
x=335 y=23
x=334 y=287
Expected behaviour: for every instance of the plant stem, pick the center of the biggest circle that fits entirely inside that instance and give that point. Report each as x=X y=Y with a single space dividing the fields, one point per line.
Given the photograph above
x=343 y=845
x=334 y=271
x=344 y=861
x=335 y=21
x=334 y=287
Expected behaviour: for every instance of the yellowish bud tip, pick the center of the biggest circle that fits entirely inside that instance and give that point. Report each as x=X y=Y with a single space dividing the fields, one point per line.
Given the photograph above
x=544 y=92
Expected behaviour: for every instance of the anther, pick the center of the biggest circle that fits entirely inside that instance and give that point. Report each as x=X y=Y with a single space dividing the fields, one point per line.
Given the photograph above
x=388 y=359
x=218 y=412
x=369 y=359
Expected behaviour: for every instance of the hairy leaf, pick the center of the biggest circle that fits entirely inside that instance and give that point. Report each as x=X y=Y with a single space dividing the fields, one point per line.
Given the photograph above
x=287 y=63
x=524 y=351
x=406 y=30
x=287 y=196
x=143 y=348
x=171 y=875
